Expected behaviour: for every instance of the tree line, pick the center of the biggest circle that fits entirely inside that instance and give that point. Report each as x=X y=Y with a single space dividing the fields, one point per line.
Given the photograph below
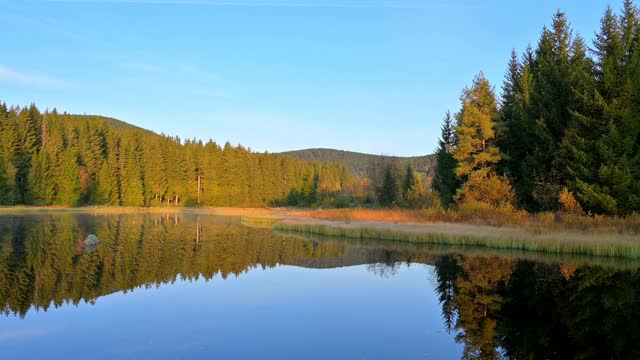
x=364 y=165
x=72 y=160
x=565 y=131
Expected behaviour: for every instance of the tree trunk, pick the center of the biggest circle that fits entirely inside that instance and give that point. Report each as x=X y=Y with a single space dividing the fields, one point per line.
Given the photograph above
x=199 y=187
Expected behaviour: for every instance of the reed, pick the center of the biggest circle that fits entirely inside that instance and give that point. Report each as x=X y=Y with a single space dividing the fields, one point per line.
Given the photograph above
x=465 y=235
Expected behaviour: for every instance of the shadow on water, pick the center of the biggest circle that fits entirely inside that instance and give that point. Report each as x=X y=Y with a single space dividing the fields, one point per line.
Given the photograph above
x=498 y=304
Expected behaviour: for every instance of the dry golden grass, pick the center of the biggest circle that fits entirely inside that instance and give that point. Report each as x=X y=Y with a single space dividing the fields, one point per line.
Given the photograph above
x=539 y=222
x=550 y=241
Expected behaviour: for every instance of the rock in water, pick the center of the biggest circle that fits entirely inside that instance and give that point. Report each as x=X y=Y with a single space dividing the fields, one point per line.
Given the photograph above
x=91 y=243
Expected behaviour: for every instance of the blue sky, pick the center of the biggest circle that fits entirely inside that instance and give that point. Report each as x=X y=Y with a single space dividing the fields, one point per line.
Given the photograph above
x=374 y=76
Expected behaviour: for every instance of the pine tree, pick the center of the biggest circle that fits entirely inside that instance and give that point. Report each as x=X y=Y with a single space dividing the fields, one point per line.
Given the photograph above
x=5 y=190
x=29 y=137
x=596 y=150
x=389 y=191
x=515 y=127
x=69 y=180
x=10 y=144
x=475 y=133
x=475 y=150
x=155 y=167
x=445 y=181
x=408 y=182
x=131 y=180
x=108 y=177
x=560 y=71
x=41 y=188
x=311 y=189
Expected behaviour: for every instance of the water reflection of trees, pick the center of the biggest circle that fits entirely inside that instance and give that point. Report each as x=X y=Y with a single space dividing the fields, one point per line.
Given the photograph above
x=384 y=270
x=43 y=261
x=497 y=306
x=505 y=308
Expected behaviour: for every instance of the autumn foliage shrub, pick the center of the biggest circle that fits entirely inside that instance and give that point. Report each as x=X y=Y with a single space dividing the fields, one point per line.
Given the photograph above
x=569 y=204
x=490 y=189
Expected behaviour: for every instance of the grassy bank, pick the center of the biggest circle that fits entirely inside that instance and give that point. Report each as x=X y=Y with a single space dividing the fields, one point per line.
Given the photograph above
x=553 y=242
x=436 y=250
x=503 y=217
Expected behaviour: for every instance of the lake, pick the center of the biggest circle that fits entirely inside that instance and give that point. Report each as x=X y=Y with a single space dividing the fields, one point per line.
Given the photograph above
x=193 y=286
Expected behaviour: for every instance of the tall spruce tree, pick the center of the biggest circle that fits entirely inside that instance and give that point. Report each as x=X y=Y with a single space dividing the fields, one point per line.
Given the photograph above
x=516 y=128
x=69 y=180
x=389 y=191
x=29 y=138
x=40 y=181
x=10 y=152
x=445 y=181
x=5 y=190
x=597 y=149
x=408 y=182
x=131 y=175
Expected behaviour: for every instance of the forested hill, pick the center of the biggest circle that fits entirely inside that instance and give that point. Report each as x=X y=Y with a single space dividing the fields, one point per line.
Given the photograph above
x=62 y=159
x=361 y=164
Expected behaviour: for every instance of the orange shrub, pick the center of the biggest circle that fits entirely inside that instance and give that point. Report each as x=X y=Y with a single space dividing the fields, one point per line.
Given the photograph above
x=568 y=203
x=491 y=189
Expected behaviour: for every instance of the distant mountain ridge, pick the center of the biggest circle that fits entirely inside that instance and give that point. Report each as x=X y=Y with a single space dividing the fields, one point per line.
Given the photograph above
x=360 y=164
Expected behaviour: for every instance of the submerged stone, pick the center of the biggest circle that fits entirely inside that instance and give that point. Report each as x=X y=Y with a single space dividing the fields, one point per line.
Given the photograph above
x=91 y=243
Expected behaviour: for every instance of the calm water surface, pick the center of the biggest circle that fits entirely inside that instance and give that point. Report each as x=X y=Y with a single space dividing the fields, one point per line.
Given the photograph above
x=200 y=287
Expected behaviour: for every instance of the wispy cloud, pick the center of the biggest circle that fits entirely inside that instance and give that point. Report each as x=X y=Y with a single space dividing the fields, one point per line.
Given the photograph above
x=30 y=79
x=398 y=4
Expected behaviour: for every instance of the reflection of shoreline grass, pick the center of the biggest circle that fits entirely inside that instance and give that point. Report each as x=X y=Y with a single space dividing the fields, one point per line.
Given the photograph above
x=445 y=249
x=612 y=245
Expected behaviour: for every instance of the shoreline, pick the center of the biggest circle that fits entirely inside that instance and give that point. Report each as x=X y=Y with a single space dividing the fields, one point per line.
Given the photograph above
x=517 y=237
x=20 y=210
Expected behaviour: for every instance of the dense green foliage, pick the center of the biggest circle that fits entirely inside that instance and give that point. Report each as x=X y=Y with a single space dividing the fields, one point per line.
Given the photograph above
x=389 y=190
x=364 y=165
x=71 y=160
x=445 y=181
x=568 y=118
